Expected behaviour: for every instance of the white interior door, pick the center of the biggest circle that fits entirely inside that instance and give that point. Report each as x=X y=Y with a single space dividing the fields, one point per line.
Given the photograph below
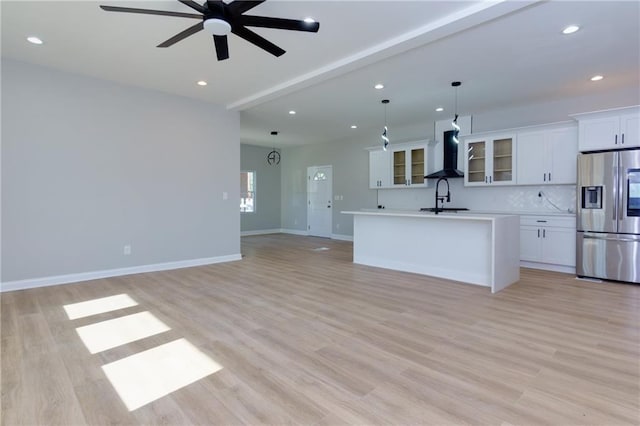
x=319 y=196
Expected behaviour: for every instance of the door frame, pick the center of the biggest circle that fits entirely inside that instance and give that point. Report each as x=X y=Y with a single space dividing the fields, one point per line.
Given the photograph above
x=310 y=171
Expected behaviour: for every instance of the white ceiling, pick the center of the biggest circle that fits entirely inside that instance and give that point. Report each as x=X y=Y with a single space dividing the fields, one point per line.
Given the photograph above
x=506 y=53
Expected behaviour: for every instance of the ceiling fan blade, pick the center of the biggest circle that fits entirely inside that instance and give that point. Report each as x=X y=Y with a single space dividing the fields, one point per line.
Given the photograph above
x=150 y=12
x=279 y=23
x=193 y=5
x=182 y=35
x=238 y=7
x=222 y=47
x=259 y=41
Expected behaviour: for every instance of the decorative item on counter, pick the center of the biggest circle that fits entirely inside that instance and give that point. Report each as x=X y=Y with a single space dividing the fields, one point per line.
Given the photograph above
x=385 y=138
x=454 y=123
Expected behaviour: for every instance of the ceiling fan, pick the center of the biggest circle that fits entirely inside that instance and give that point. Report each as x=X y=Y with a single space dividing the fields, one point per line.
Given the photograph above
x=220 y=18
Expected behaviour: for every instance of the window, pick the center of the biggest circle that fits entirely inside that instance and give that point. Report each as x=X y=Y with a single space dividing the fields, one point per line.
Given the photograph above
x=248 y=191
x=319 y=176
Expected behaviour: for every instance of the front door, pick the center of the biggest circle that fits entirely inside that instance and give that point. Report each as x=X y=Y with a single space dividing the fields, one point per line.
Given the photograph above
x=319 y=195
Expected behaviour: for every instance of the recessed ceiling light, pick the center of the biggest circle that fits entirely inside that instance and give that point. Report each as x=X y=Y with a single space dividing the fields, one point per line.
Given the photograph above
x=597 y=78
x=353 y=126
x=379 y=86
x=570 y=29
x=309 y=20
x=34 y=40
x=292 y=112
x=201 y=83
x=439 y=109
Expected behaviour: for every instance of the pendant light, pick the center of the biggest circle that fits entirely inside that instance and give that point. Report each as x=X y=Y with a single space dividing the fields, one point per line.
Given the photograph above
x=273 y=158
x=454 y=123
x=385 y=138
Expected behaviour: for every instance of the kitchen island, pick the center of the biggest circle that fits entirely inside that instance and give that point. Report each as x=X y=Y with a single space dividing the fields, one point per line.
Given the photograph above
x=481 y=249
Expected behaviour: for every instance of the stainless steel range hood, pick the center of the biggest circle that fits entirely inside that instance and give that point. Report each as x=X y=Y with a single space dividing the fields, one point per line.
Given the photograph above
x=450 y=164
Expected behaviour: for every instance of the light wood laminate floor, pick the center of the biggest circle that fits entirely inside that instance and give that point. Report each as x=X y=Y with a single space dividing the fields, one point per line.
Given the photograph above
x=304 y=336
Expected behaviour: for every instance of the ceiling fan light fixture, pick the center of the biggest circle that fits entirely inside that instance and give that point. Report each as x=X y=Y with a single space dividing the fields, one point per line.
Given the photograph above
x=216 y=26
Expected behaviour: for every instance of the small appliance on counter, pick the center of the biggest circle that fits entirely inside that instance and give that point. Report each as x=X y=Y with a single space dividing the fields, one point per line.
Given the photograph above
x=608 y=216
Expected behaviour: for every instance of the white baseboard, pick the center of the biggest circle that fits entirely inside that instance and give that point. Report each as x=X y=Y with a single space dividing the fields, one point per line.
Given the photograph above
x=260 y=232
x=548 y=267
x=87 y=276
x=295 y=231
x=292 y=232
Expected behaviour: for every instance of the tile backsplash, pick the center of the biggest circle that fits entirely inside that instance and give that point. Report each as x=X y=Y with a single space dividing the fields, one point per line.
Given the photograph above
x=496 y=198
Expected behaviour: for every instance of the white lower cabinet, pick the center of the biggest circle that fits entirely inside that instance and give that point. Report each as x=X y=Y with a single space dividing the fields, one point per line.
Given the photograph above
x=548 y=242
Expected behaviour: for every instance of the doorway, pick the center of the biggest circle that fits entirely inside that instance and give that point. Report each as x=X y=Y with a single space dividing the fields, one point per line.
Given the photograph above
x=319 y=205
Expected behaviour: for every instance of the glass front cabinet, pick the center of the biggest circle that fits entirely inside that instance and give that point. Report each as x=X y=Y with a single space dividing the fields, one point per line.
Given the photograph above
x=490 y=160
x=408 y=165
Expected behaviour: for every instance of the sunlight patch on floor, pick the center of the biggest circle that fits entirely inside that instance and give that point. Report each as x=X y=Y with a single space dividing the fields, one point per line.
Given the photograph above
x=109 y=334
x=147 y=376
x=99 y=306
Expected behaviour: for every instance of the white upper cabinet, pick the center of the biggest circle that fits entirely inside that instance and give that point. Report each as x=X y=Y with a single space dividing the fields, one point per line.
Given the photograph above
x=547 y=156
x=401 y=166
x=611 y=129
x=490 y=160
x=379 y=169
x=409 y=165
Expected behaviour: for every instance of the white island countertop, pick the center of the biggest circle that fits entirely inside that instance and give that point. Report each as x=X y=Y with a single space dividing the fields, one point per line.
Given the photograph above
x=475 y=248
x=462 y=215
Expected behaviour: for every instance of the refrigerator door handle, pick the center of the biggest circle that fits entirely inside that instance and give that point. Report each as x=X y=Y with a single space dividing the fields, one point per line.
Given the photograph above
x=628 y=239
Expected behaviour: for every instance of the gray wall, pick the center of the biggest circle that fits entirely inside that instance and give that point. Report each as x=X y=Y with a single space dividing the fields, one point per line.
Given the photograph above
x=89 y=166
x=268 y=194
x=351 y=165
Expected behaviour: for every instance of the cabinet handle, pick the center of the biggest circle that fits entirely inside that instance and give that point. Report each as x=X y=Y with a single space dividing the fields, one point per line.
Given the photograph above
x=490 y=179
x=545 y=177
x=616 y=139
x=538 y=233
x=486 y=179
x=541 y=221
x=544 y=233
x=623 y=139
x=549 y=176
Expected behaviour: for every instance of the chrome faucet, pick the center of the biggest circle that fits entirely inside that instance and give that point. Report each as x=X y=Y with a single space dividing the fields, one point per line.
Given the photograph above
x=442 y=198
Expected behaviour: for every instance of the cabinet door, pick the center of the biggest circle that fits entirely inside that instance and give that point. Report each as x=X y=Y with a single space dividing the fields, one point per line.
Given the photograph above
x=476 y=170
x=532 y=163
x=379 y=169
x=530 y=243
x=417 y=166
x=399 y=167
x=559 y=246
x=599 y=133
x=503 y=160
x=630 y=129
x=562 y=151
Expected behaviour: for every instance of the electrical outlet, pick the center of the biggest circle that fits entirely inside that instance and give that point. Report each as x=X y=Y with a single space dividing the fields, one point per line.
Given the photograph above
x=126 y=250
x=225 y=195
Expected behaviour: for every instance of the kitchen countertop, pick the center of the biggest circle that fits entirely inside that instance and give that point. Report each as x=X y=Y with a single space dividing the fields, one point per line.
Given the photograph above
x=430 y=215
x=466 y=213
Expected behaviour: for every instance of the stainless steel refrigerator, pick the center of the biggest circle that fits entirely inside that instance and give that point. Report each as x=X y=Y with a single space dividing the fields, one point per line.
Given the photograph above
x=608 y=216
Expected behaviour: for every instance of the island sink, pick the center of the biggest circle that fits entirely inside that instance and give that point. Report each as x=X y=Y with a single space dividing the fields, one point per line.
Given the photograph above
x=443 y=209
